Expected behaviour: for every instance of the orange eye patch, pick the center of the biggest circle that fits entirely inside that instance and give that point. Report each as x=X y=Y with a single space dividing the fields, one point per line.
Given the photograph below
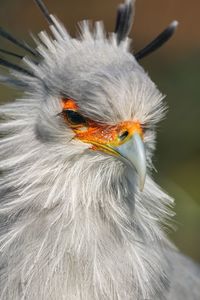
x=69 y=104
x=89 y=131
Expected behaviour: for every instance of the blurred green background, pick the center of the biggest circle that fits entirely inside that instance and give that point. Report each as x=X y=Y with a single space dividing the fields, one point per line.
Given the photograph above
x=175 y=69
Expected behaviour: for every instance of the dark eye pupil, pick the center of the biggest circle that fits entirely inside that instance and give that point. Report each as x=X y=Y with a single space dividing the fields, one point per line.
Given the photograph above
x=74 y=118
x=123 y=135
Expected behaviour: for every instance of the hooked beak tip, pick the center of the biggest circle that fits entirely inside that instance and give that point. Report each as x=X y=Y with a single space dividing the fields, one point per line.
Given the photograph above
x=133 y=153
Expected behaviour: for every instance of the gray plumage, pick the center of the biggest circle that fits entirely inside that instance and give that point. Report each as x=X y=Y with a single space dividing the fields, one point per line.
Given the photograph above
x=74 y=224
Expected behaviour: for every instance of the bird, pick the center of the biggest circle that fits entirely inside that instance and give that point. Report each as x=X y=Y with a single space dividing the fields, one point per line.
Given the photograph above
x=81 y=217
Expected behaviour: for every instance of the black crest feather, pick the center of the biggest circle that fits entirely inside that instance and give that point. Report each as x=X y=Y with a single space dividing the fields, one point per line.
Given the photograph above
x=124 y=20
x=123 y=26
x=15 y=67
x=11 y=53
x=160 y=40
x=21 y=44
x=44 y=11
x=6 y=35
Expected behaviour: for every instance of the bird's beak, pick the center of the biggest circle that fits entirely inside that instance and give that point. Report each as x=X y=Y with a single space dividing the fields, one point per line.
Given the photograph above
x=132 y=153
x=124 y=140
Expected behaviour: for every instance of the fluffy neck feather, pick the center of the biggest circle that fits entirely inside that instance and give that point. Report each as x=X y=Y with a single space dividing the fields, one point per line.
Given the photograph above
x=69 y=226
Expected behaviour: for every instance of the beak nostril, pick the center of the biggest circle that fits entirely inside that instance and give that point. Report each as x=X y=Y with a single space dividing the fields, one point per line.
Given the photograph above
x=123 y=135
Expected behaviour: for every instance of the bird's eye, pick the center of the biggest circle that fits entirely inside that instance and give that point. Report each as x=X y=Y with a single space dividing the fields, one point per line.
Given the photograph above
x=74 y=118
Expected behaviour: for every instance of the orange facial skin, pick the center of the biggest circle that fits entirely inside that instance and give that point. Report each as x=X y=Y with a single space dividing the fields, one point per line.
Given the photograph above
x=102 y=137
x=109 y=135
x=69 y=104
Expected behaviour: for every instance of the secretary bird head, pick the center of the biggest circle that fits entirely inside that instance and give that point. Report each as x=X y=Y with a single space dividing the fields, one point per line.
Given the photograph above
x=80 y=216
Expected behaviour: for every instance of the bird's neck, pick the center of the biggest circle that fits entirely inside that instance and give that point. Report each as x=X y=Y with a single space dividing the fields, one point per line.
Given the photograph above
x=89 y=224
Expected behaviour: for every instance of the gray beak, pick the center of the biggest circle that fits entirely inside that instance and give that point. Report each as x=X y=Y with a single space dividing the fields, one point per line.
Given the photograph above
x=132 y=153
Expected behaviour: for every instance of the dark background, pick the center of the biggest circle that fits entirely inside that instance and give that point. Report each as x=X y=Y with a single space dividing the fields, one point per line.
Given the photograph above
x=175 y=69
